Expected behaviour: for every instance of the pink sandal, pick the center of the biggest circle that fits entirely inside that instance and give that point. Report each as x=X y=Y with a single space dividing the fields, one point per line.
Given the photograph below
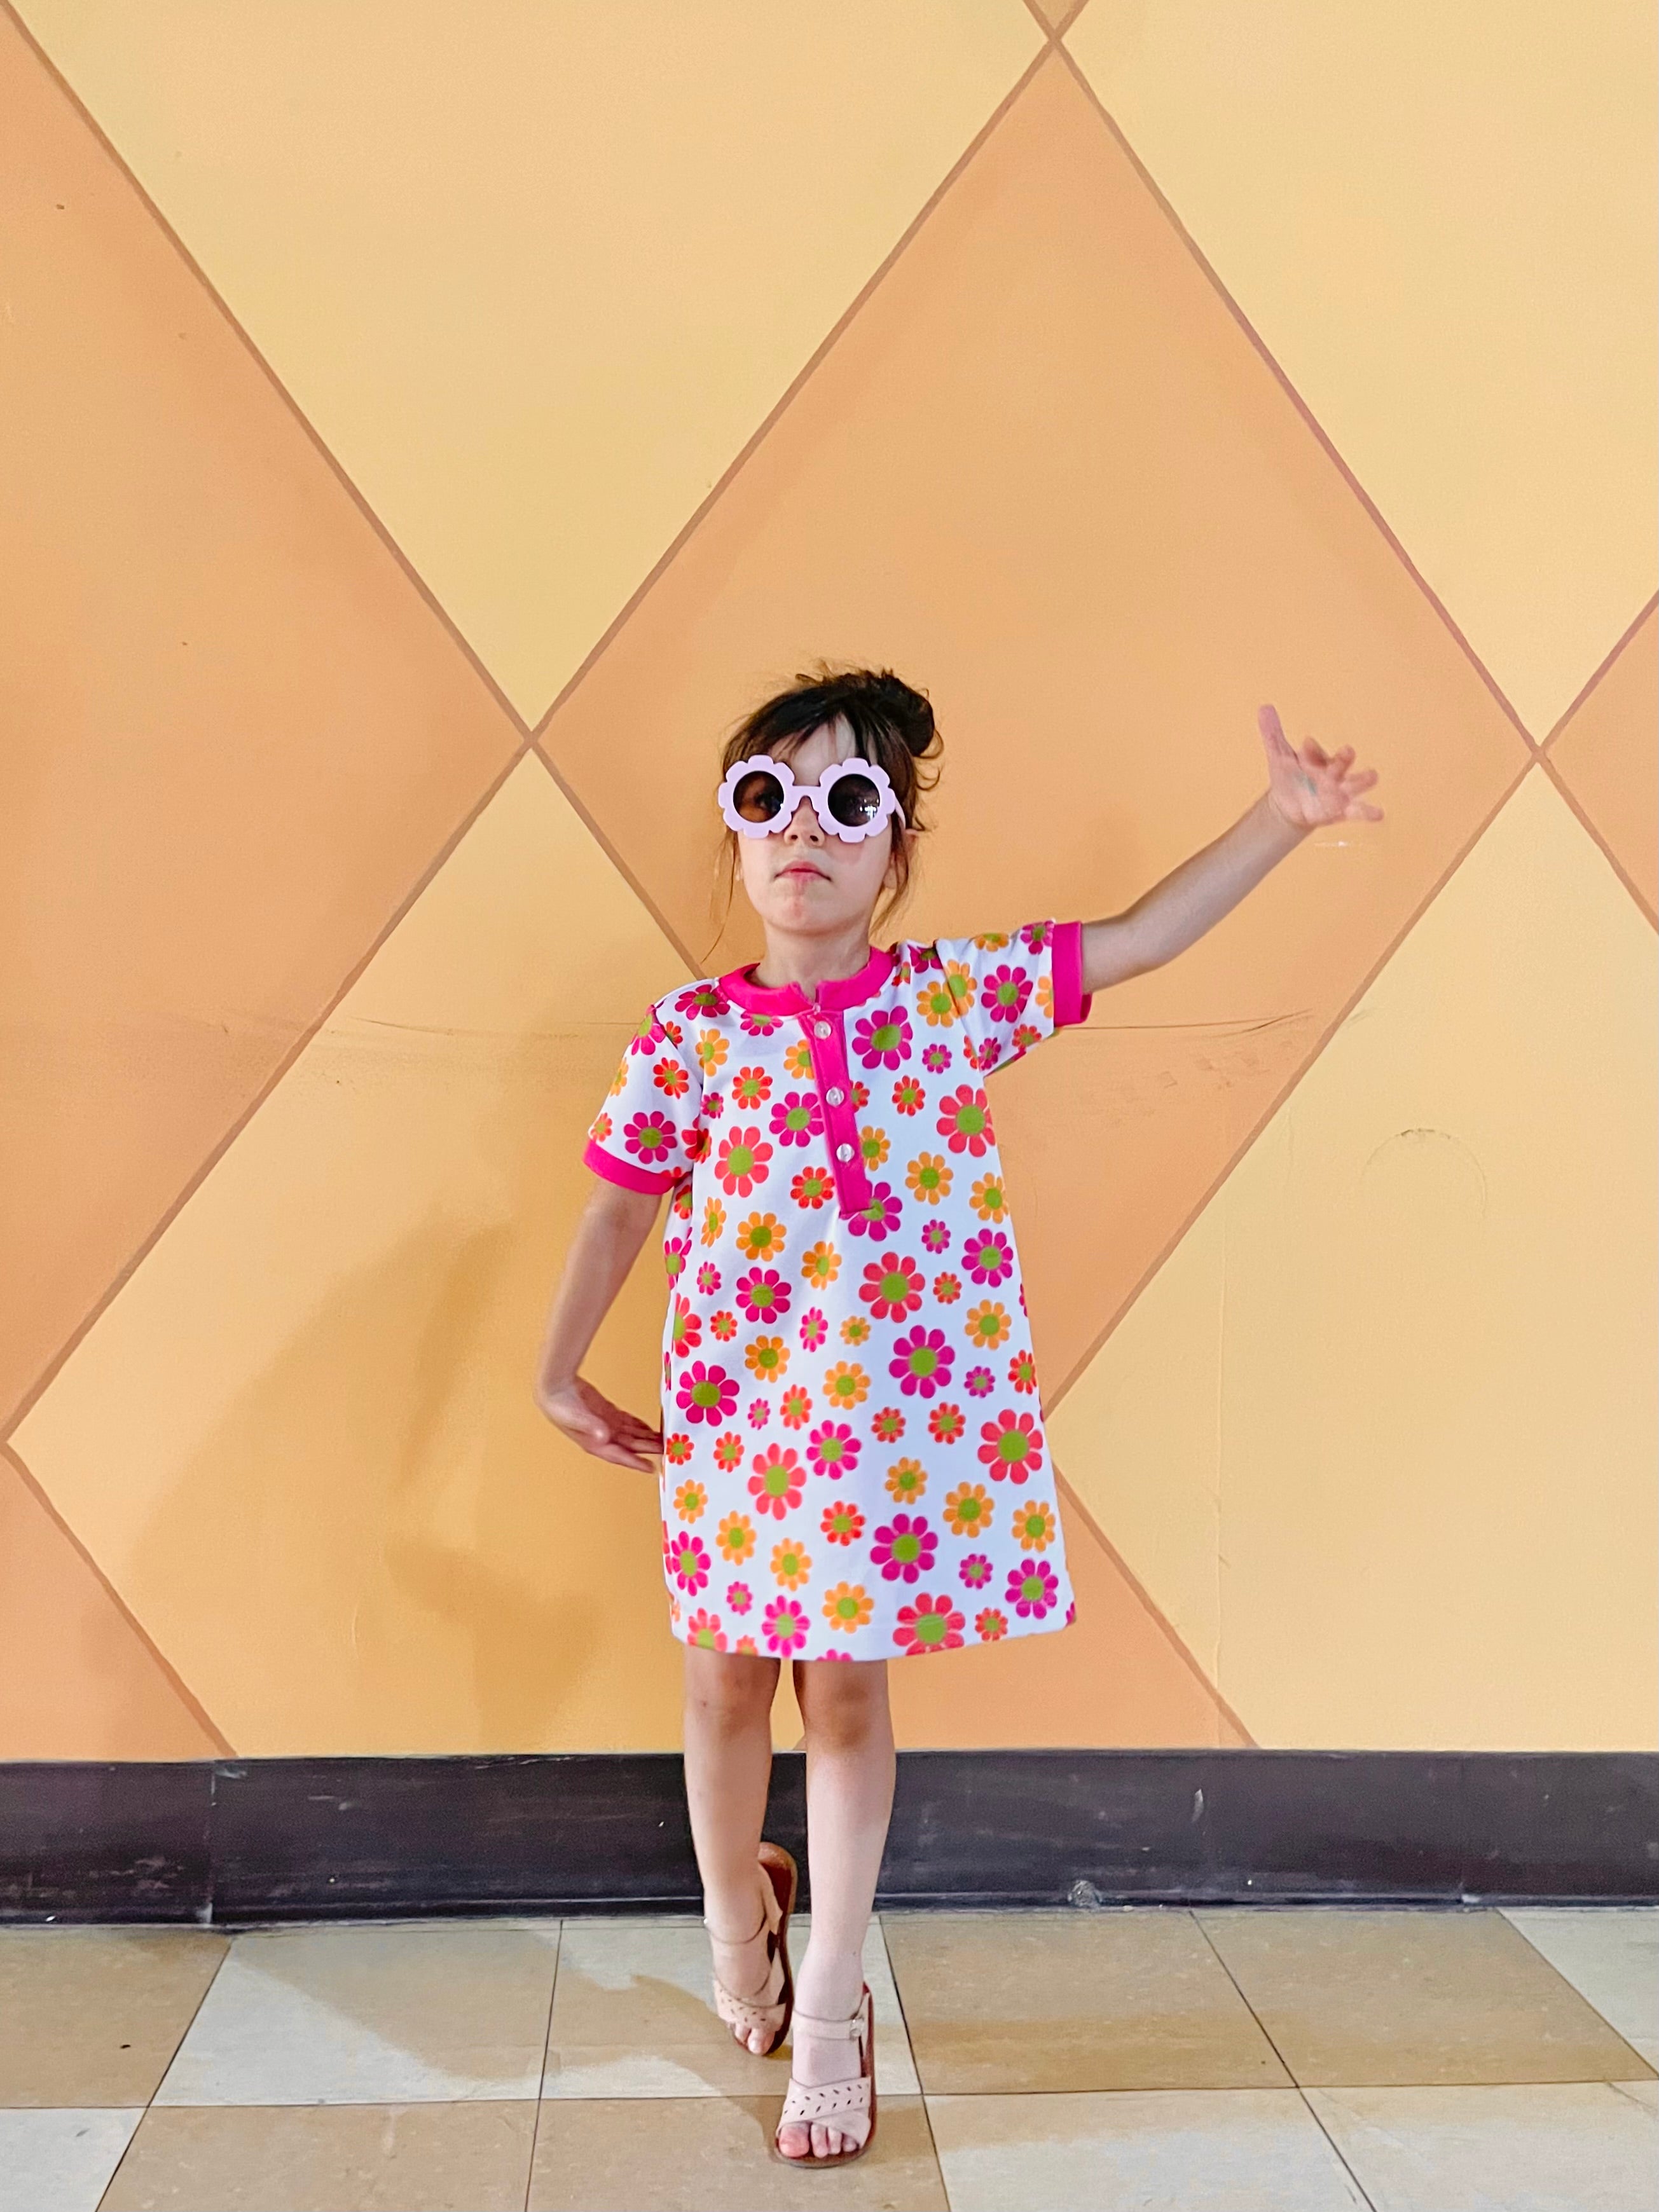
x=831 y=2099
x=744 y=2014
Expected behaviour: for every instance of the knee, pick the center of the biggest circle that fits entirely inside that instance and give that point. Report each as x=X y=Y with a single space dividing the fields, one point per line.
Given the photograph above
x=730 y=1691
x=844 y=1708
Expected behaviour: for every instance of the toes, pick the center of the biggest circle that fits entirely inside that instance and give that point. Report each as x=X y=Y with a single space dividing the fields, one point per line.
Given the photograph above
x=795 y=2140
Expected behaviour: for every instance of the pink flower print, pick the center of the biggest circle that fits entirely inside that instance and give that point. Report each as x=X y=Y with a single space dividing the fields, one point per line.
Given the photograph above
x=759 y=1025
x=673 y=1255
x=936 y=1058
x=651 y=1138
x=1004 y=993
x=909 y=1096
x=708 y=1278
x=1033 y=1589
x=1022 y=1371
x=935 y=1236
x=648 y=1033
x=760 y=1412
x=904 y=1548
x=1035 y=935
x=684 y=1328
x=979 y=1382
x=964 y=1122
x=814 y=1329
x=975 y=1570
x=1026 y=1036
x=703 y=1002
x=783 y=1625
x=688 y=1561
x=922 y=1361
x=880 y=1218
x=706 y=1393
x=728 y=1452
x=797 y=1117
x=932 y=1624
x=987 y=1255
x=764 y=1294
x=740 y=1596
x=1012 y=1447
x=892 y=1288
x=833 y=1449
x=704 y=1630
x=776 y=1484
x=741 y=1162
x=882 y=1040
x=860 y=1096
x=813 y=1186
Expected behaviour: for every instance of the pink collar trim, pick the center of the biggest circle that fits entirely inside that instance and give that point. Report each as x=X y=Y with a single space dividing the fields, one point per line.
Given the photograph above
x=790 y=999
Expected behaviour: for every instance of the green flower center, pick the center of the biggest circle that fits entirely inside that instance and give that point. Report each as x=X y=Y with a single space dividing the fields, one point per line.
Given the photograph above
x=763 y=1297
x=1012 y=1447
x=789 y=1563
x=831 y=1450
x=895 y=1284
x=1034 y=1524
x=906 y=1546
x=930 y=1628
x=704 y=1393
x=740 y=1160
x=884 y=1036
x=797 y=1117
x=1030 y=1586
x=970 y=1119
x=777 y=1479
x=929 y=1179
x=923 y=1360
x=1006 y=994
x=705 y=1637
x=969 y=1512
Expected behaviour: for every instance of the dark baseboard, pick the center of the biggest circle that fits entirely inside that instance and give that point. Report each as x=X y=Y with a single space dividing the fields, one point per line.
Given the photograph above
x=235 y=1842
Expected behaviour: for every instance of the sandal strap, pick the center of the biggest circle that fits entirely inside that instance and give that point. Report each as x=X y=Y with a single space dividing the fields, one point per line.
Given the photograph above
x=847 y=2029
x=801 y=2103
x=746 y=2012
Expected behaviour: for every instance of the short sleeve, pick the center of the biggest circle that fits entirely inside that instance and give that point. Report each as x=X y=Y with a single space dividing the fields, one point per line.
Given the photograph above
x=650 y=1129
x=1013 y=989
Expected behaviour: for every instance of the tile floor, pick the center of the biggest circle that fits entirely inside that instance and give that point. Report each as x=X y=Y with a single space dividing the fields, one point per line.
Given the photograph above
x=1293 y=2059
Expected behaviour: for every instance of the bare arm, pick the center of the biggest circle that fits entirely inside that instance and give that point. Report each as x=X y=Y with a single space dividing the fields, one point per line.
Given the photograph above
x=613 y=1225
x=1306 y=788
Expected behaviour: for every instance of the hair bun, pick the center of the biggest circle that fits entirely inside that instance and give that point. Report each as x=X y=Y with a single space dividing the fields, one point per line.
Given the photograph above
x=910 y=710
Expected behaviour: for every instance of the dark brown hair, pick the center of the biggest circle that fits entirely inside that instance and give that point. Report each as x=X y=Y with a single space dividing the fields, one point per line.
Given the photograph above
x=892 y=725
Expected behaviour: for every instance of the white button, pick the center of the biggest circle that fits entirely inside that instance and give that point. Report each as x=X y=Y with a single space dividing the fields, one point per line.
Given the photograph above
x=843 y=1152
x=820 y=1029
x=837 y=1097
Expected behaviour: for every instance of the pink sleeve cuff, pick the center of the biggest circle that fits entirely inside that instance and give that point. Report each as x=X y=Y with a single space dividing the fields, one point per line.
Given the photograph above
x=1071 y=1005
x=630 y=1176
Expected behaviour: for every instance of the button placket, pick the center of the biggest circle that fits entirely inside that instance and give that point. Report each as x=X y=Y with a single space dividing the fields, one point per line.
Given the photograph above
x=826 y=1039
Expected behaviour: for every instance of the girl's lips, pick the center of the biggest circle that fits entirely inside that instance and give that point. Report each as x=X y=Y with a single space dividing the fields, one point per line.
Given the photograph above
x=803 y=868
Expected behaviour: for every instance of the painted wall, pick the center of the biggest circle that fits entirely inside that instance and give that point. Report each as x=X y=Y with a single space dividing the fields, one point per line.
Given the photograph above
x=427 y=429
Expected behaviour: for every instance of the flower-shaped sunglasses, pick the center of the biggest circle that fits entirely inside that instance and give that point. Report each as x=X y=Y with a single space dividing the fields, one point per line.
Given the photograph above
x=852 y=799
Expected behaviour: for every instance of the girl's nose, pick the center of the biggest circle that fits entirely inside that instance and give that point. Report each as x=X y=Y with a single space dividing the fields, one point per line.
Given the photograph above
x=804 y=823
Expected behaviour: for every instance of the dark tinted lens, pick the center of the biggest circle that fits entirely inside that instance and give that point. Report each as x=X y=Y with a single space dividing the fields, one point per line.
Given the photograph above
x=758 y=796
x=854 y=801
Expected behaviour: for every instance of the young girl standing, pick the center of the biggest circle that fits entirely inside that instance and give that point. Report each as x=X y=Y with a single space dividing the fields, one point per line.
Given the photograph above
x=852 y=1456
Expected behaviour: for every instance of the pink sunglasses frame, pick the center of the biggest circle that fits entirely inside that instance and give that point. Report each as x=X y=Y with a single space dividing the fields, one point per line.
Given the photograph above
x=818 y=793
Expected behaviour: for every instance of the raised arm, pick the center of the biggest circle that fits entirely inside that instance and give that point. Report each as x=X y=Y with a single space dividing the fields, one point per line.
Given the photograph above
x=1306 y=788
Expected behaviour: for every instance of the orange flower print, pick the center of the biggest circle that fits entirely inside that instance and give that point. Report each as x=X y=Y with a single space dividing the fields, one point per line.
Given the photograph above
x=991 y=940
x=734 y=1540
x=1022 y=1371
x=741 y=1162
x=723 y=1325
x=929 y=1176
x=791 y=1563
x=848 y=1606
x=947 y=1289
x=905 y=1480
x=1045 y=996
x=711 y=1051
x=750 y=1087
x=990 y=1625
x=795 y=1410
x=746 y=1646
x=599 y=1128
x=670 y=1078
x=728 y=1451
x=690 y=1501
x=935 y=1002
x=843 y=1523
x=1034 y=1524
x=846 y=1385
x=766 y=1358
x=987 y=1197
x=873 y=1144
x=813 y=1186
x=946 y=1424
x=797 y=1062
x=959 y=981
x=987 y=1324
x=855 y=1329
x=761 y=1237
x=967 y=1509
x=820 y=1265
x=908 y=1097
x=714 y=1220
x=887 y=1424
x=676 y=1450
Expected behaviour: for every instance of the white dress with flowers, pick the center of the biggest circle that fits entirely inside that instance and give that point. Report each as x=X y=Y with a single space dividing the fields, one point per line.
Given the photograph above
x=854 y=1462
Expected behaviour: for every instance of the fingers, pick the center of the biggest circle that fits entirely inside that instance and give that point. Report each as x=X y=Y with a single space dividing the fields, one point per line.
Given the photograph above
x=1271 y=729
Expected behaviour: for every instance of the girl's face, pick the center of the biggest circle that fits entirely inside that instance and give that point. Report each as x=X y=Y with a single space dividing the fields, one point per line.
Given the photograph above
x=800 y=880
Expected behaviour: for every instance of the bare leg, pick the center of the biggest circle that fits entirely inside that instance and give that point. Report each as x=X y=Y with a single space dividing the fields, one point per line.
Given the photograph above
x=728 y=1763
x=849 y=1799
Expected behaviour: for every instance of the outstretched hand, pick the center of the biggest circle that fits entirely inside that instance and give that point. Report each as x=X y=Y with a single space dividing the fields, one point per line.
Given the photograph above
x=1311 y=786
x=587 y=1417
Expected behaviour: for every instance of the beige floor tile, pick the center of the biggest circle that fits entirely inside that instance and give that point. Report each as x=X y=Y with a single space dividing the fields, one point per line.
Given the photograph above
x=1012 y=2002
x=1138 y=2150
x=1610 y=1953
x=632 y=2017
x=710 y=2154
x=58 y=2161
x=1354 y=1996
x=319 y=2158
x=90 y=2017
x=386 y=2015
x=1545 y=2147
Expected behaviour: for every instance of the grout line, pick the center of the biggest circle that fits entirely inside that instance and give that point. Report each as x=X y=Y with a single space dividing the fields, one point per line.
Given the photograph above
x=423 y=591
x=1603 y=668
x=306 y=1032
x=541 y=2079
x=791 y=391
x=1344 y=1007
x=163 y=2076
x=176 y=1682
x=1298 y=403
x=1592 y=830
x=1364 y=2195
x=586 y=817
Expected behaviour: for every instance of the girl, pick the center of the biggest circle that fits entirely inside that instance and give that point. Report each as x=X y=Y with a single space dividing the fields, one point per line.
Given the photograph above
x=853 y=1463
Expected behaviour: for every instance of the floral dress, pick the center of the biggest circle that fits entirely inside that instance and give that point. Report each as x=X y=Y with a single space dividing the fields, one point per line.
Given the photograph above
x=855 y=1464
